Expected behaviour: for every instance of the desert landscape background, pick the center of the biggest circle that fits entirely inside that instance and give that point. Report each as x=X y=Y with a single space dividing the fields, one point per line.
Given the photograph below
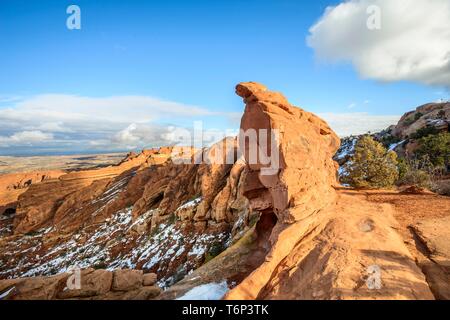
x=213 y=230
x=224 y=150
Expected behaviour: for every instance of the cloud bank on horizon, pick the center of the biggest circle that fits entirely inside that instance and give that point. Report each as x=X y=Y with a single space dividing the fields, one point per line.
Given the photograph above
x=52 y=122
x=412 y=43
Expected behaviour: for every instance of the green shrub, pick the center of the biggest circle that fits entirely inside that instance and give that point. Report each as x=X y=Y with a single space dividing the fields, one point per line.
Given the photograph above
x=403 y=168
x=172 y=219
x=416 y=177
x=437 y=148
x=424 y=132
x=371 y=165
x=215 y=249
x=421 y=173
x=389 y=139
x=409 y=121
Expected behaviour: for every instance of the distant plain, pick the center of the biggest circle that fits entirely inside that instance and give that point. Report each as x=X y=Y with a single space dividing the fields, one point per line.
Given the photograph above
x=11 y=164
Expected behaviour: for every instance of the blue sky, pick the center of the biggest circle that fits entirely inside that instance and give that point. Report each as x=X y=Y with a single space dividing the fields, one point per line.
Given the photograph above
x=191 y=53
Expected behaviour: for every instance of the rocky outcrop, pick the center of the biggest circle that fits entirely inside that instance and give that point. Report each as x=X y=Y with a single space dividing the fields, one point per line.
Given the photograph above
x=49 y=203
x=323 y=244
x=306 y=145
x=149 y=212
x=436 y=115
x=14 y=184
x=87 y=284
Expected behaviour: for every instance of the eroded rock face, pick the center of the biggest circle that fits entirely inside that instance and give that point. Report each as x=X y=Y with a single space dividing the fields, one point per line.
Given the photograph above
x=149 y=212
x=48 y=203
x=436 y=115
x=434 y=235
x=126 y=280
x=323 y=242
x=14 y=184
x=304 y=181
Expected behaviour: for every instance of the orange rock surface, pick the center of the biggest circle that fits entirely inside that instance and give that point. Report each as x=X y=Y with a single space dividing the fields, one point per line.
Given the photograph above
x=323 y=244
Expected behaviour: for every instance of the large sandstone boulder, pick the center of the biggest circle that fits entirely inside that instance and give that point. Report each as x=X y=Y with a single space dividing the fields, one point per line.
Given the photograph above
x=92 y=283
x=126 y=280
x=149 y=279
x=434 y=235
x=39 y=288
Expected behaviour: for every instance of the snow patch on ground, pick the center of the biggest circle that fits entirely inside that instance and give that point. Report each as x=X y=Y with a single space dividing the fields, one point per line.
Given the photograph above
x=209 y=291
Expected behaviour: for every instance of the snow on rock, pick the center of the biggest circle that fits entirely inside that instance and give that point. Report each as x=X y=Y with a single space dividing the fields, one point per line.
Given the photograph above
x=170 y=249
x=347 y=148
x=6 y=293
x=209 y=291
x=190 y=204
x=393 y=146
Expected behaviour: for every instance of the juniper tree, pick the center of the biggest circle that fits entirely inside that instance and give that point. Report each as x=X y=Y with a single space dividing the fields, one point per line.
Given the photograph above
x=371 y=166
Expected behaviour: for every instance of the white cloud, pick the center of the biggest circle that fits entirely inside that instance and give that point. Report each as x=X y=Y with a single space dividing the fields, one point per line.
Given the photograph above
x=25 y=138
x=54 y=127
x=413 y=42
x=60 y=107
x=345 y=124
x=68 y=121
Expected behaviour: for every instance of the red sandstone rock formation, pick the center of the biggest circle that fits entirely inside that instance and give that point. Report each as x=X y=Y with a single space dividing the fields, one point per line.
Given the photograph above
x=14 y=184
x=49 y=203
x=323 y=243
x=111 y=216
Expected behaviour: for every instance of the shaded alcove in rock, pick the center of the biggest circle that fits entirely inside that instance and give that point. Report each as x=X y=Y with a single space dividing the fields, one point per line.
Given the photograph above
x=9 y=212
